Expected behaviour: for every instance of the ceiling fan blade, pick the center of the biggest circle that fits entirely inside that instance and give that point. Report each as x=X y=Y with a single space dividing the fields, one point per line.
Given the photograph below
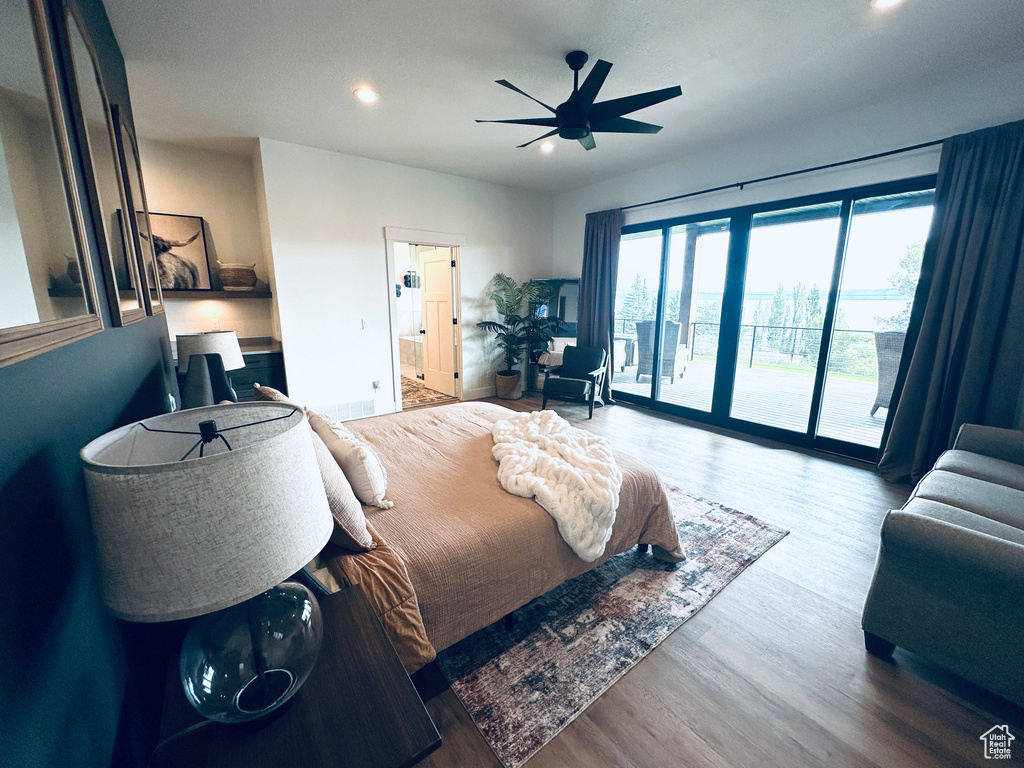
x=606 y=110
x=509 y=85
x=547 y=122
x=588 y=142
x=549 y=133
x=588 y=91
x=624 y=125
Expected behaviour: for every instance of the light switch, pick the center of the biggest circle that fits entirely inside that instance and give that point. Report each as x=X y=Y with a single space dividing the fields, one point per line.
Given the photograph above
x=366 y=324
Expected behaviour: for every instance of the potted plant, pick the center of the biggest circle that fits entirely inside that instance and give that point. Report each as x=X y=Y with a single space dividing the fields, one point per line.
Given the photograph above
x=516 y=330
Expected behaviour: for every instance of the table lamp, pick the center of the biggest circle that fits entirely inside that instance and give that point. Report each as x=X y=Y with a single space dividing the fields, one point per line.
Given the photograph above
x=200 y=513
x=206 y=379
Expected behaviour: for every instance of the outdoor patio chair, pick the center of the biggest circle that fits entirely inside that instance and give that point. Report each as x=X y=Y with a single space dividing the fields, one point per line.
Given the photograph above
x=579 y=378
x=669 y=347
x=888 y=350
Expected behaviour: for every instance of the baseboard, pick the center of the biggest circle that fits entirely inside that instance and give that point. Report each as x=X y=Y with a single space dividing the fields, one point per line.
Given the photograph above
x=479 y=393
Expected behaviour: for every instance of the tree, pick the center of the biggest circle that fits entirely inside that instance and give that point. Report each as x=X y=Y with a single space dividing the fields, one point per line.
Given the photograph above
x=816 y=309
x=904 y=280
x=761 y=314
x=814 y=318
x=709 y=312
x=638 y=303
x=794 y=338
x=673 y=306
x=778 y=318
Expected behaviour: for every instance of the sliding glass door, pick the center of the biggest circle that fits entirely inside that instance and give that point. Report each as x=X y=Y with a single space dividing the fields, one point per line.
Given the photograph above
x=636 y=303
x=784 y=320
x=789 y=270
x=880 y=271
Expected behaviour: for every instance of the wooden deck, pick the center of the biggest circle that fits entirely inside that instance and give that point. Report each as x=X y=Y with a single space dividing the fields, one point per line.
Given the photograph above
x=774 y=397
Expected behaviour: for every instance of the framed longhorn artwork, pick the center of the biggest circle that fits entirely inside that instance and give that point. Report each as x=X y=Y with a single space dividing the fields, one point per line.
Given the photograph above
x=180 y=245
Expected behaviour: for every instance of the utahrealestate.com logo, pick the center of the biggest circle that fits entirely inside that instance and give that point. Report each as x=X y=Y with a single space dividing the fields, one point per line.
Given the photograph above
x=997 y=742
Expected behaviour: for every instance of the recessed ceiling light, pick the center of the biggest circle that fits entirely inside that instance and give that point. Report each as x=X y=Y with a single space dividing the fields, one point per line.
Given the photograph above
x=366 y=95
x=547 y=146
x=881 y=5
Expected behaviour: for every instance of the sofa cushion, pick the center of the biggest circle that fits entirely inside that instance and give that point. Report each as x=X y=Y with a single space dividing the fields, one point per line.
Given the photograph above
x=962 y=518
x=983 y=468
x=994 y=501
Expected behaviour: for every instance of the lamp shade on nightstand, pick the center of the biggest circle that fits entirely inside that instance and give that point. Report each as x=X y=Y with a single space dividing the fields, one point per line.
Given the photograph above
x=179 y=538
x=223 y=343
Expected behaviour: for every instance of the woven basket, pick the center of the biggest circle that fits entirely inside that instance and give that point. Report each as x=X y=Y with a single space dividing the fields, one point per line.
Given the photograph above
x=509 y=386
x=236 y=277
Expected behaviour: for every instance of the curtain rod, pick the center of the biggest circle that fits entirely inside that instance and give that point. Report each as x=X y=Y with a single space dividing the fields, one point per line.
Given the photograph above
x=741 y=184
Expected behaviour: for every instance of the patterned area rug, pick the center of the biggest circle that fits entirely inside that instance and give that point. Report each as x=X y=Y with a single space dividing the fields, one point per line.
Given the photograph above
x=415 y=394
x=569 y=646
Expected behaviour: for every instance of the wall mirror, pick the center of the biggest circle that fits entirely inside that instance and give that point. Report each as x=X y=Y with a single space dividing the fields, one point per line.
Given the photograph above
x=91 y=109
x=566 y=304
x=47 y=293
x=563 y=303
x=138 y=226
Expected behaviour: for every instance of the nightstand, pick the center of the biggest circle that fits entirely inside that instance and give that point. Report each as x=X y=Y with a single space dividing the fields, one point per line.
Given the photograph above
x=358 y=708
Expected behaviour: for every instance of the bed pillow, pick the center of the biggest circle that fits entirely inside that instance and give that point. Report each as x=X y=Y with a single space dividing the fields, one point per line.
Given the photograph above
x=349 y=521
x=361 y=465
x=262 y=392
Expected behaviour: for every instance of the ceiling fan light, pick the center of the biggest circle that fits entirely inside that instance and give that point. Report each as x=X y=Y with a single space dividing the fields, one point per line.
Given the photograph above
x=547 y=147
x=366 y=95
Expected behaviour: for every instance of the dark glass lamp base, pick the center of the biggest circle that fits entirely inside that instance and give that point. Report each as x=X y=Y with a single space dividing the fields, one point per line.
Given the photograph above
x=243 y=663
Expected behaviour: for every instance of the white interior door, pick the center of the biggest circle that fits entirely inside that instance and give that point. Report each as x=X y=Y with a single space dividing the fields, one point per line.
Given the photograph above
x=438 y=314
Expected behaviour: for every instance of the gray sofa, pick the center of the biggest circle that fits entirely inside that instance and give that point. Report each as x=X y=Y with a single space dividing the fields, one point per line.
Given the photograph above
x=949 y=580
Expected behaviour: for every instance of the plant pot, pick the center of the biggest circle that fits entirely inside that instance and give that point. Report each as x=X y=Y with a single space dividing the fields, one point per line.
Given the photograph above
x=509 y=385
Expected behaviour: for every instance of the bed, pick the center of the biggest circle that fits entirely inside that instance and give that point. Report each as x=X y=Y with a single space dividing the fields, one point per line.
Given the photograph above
x=471 y=551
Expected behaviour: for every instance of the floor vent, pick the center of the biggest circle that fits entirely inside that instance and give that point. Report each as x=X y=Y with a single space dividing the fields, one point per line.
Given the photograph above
x=346 y=411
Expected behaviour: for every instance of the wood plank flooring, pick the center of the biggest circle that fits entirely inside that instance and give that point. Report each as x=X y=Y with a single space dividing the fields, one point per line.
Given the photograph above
x=772 y=672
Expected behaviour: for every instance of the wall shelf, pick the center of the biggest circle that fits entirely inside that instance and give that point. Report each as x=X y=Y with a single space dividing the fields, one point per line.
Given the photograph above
x=262 y=292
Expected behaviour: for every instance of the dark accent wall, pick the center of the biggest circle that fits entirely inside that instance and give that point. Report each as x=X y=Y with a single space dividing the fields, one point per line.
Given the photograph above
x=62 y=663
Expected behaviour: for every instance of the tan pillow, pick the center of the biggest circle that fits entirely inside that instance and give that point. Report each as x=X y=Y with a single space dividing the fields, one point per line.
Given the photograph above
x=261 y=392
x=349 y=521
x=361 y=465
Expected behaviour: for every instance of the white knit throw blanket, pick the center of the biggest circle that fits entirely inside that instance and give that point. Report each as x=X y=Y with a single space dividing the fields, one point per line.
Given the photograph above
x=571 y=473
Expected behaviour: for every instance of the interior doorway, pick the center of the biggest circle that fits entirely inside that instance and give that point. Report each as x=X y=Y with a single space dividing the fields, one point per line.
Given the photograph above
x=426 y=322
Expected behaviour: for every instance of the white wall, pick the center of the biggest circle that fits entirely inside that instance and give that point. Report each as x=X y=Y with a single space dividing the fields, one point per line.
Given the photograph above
x=326 y=215
x=221 y=188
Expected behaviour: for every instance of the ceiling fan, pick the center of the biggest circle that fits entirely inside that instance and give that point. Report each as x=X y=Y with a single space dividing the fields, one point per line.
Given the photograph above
x=580 y=118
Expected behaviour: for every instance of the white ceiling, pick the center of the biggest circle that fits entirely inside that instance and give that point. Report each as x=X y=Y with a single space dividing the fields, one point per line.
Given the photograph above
x=210 y=72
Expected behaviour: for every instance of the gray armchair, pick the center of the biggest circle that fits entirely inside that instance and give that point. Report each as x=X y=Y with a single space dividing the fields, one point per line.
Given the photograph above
x=950 y=570
x=579 y=378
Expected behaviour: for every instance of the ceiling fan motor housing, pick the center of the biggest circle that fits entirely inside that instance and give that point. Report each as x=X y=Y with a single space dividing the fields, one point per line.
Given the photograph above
x=572 y=123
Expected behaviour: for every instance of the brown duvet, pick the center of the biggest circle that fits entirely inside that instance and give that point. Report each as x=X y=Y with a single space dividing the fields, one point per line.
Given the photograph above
x=473 y=551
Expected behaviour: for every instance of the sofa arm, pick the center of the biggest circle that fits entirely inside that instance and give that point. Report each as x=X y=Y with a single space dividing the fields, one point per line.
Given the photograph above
x=929 y=540
x=995 y=442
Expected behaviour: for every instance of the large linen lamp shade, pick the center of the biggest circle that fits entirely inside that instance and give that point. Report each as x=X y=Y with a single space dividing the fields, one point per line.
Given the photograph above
x=178 y=538
x=223 y=343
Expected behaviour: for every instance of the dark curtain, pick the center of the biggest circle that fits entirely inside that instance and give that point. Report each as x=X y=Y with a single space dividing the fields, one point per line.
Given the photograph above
x=595 y=324
x=964 y=359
